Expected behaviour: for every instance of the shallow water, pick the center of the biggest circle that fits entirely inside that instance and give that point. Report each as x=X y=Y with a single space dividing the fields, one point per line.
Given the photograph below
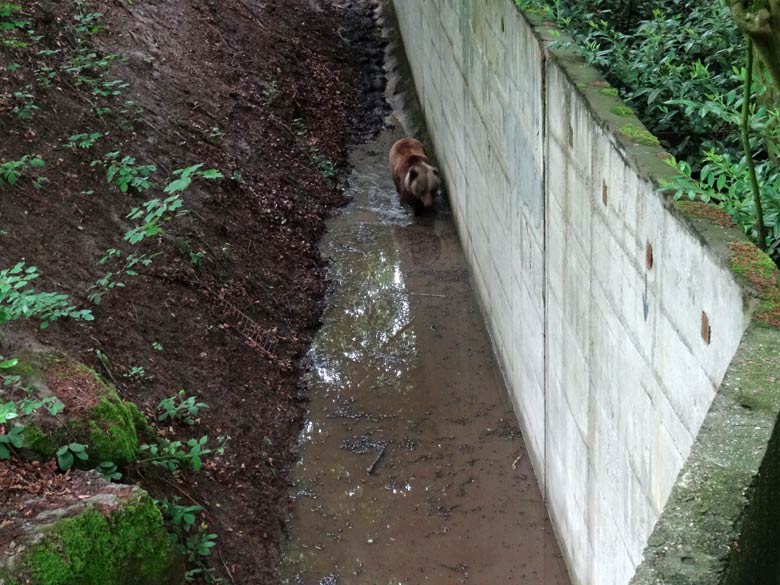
x=413 y=469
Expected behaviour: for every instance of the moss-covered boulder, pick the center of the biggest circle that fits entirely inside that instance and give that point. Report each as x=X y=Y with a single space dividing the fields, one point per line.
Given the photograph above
x=94 y=414
x=92 y=533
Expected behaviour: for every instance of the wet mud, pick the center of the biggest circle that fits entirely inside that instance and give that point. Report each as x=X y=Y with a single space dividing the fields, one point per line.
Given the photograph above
x=413 y=468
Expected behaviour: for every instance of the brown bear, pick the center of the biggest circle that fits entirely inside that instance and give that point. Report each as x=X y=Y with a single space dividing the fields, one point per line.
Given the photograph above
x=416 y=179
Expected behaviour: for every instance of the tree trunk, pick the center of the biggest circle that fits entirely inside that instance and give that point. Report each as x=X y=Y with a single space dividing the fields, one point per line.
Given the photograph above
x=760 y=20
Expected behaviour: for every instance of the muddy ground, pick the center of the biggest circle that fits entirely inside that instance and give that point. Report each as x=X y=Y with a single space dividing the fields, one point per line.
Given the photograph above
x=271 y=94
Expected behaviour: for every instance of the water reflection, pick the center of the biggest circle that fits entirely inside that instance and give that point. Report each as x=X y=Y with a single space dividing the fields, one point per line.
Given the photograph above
x=367 y=335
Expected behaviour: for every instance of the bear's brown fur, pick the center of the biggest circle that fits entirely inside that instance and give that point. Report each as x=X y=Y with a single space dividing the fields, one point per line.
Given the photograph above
x=416 y=179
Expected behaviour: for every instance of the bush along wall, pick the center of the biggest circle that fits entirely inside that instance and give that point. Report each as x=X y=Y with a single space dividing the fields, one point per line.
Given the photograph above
x=685 y=69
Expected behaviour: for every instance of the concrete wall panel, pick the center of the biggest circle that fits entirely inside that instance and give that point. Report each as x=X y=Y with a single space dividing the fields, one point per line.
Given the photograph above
x=602 y=352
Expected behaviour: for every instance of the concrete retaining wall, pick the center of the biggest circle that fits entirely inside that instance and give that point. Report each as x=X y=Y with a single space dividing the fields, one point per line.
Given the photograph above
x=614 y=318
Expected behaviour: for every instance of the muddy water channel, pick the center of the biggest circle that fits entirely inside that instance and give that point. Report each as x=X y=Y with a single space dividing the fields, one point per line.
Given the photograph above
x=413 y=469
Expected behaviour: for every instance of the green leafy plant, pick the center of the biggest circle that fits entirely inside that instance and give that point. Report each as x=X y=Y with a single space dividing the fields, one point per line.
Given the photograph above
x=25 y=105
x=326 y=167
x=215 y=135
x=87 y=66
x=10 y=438
x=10 y=171
x=111 y=280
x=155 y=212
x=677 y=65
x=110 y=88
x=172 y=455
x=10 y=24
x=124 y=173
x=109 y=471
x=84 y=141
x=726 y=182
x=135 y=373
x=190 y=540
x=44 y=76
x=723 y=175
x=7 y=18
x=103 y=285
x=87 y=24
x=188 y=175
x=11 y=435
x=179 y=407
x=180 y=517
x=271 y=93
x=184 y=248
x=131 y=113
x=150 y=217
x=18 y=301
x=194 y=548
x=196 y=259
x=68 y=454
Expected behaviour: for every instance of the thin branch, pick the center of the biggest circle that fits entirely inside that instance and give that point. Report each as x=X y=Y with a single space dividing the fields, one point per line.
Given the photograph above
x=746 y=101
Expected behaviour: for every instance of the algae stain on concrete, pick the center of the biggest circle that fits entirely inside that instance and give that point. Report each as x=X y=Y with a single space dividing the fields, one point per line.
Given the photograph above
x=412 y=467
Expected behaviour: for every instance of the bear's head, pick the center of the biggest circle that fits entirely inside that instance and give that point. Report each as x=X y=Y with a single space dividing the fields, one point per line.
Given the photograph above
x=422 y=180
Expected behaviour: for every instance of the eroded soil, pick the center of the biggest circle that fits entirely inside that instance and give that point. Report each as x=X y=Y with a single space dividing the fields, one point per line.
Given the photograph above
x=269 y=93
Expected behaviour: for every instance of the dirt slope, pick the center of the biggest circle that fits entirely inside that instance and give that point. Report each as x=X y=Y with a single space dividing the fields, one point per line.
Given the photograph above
x=269 y=93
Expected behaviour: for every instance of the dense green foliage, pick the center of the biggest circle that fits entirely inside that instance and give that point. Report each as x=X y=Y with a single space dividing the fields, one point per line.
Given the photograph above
x=658 y=51
x=680 y=66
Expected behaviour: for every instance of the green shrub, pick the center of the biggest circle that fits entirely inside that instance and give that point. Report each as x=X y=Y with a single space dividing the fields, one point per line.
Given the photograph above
x=18 y=301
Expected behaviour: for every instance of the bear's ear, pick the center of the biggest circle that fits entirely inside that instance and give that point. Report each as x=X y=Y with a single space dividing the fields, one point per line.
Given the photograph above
x=413 y=174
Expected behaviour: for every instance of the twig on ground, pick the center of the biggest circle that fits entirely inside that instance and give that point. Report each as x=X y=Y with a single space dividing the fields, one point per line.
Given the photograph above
x=227 y=569
x=182 y=492
x=106 y=368
x=370 y=468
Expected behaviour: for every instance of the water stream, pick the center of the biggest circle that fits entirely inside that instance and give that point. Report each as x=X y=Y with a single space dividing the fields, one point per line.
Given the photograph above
x=413 y=469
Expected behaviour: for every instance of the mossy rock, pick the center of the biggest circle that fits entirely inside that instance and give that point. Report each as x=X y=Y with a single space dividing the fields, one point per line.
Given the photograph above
x=116 y=538
x=94 y=413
